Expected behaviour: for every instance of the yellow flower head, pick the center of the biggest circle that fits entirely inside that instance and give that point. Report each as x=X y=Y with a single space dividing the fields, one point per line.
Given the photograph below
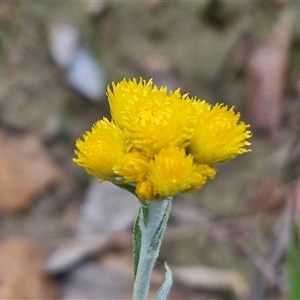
x=144 y=190
x=150 y=117
x=100 y=149
x=219 y=135
x=160 y=143
x=133 y=167
x=172 y=171
x=124 y=95
x=201 y=173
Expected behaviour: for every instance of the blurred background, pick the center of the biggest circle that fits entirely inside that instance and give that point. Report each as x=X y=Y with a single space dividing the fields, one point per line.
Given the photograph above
x=65 y=236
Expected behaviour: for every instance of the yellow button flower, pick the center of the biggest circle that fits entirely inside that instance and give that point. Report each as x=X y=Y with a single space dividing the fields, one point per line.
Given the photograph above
x=150 y=117
x=200 y=174
x=133 y=167
x=101 y=149
x=219 y=135
x=124 y=95
x=160 y=143
x=172 y=171
x=144 y=190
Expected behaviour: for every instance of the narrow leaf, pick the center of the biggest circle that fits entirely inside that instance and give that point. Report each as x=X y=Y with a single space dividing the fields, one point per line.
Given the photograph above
x=163 y=291
x=137 y=242
x=156 y=242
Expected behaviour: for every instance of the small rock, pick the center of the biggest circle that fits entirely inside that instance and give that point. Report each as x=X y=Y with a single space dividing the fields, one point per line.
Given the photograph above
x=21 y=271
x=63 y=42
x=68 y=256
x=94 y=281
x=106 y=209
x=26 y=170
x=83 y=72
x=212 y=279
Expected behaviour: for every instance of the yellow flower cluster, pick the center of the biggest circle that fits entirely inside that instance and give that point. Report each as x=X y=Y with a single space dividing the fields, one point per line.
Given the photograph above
x=161 y=143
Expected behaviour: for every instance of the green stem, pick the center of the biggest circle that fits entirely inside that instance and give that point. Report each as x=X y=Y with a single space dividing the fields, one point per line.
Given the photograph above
x=149 y=228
